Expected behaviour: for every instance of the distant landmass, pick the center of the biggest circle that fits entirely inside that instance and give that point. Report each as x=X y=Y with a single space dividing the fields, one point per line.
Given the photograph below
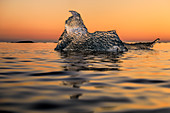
x=25 y=41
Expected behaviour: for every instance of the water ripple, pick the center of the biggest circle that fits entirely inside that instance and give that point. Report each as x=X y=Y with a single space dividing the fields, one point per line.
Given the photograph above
x=145 y=81
x=36 y=79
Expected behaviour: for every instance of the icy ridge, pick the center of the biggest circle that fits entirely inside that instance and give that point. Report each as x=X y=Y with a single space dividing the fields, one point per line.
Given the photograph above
x=77 y=38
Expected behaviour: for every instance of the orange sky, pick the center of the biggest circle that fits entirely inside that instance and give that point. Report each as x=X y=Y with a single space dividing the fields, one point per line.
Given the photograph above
x=43 y=20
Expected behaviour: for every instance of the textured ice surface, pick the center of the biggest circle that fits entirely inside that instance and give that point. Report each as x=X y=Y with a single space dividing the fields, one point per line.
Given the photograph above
x=77 y=38
x=141 y=45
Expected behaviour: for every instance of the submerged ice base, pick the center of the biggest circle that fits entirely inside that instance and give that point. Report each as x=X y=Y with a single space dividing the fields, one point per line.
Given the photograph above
x=77 y=38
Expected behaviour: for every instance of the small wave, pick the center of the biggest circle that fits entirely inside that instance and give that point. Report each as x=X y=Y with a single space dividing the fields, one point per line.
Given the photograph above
x=145 y=81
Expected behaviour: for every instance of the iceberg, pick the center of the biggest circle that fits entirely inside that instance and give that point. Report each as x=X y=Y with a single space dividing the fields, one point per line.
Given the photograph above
x=77 y=38
x=141 y=45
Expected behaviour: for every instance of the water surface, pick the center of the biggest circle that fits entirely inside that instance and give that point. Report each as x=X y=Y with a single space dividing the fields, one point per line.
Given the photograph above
x=36 y=79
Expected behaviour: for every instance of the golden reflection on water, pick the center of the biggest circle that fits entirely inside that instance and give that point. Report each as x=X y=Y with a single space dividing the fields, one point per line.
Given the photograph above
x=135 y=80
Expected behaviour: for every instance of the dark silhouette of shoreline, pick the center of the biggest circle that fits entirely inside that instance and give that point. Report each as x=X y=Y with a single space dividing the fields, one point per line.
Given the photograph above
x=25 y=41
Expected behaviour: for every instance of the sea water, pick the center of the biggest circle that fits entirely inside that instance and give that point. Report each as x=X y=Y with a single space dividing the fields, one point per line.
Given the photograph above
x=36 y=79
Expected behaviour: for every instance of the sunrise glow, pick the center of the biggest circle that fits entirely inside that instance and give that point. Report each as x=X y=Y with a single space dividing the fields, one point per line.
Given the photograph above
x=43 y=20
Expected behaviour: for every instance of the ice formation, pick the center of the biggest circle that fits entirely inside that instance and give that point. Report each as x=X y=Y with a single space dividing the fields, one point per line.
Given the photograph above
x=77 y=38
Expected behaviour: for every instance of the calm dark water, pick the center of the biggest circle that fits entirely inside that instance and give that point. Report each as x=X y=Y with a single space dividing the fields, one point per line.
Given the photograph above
x=36 y=79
